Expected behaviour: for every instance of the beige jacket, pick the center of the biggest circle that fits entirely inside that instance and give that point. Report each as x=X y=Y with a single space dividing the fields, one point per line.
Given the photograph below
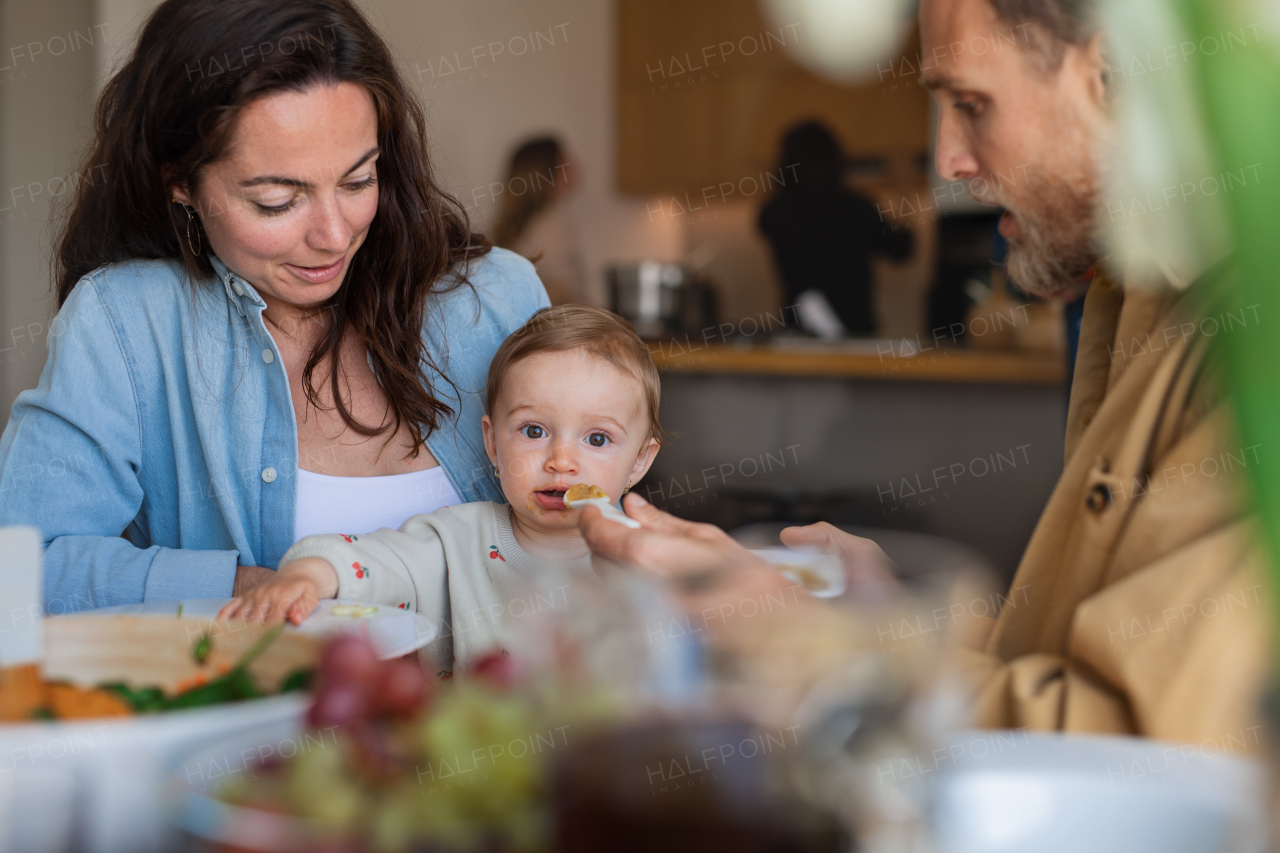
x=1144 y=608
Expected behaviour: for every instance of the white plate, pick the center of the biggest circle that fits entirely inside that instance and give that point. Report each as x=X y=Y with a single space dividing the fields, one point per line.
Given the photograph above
x=827 y=568
x=393 y=632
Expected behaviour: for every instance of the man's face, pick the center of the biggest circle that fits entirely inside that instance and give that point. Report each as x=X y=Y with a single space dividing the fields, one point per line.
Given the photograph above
x=1024 y=138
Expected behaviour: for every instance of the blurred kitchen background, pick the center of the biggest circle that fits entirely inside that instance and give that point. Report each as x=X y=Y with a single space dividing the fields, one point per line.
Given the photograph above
x=936 y=408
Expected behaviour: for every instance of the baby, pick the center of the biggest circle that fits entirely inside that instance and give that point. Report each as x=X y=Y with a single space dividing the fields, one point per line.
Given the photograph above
x=572 y=397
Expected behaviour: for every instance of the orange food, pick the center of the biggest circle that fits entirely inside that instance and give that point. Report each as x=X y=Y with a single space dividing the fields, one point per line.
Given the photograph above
x=22 y=693
x=197 y=680
x=583 y=492
x=68 y=702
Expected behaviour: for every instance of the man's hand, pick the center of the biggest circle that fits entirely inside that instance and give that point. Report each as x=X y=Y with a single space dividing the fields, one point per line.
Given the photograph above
x=665 y=546
x=866 y=566
x=291 y=593
x=703 y=564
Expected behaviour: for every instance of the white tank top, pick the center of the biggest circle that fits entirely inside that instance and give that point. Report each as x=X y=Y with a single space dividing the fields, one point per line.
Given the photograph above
x=363 y=504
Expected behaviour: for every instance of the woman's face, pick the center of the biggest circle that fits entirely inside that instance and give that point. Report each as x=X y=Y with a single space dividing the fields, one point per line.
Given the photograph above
x=290 y=203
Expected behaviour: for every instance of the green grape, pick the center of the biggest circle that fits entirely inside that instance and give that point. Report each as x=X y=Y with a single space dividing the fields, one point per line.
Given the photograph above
x=474 y=735
x=321 y=787
x=439 y=816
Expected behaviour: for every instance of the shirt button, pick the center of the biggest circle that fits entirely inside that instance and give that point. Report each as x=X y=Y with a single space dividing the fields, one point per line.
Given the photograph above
x=268 y=356
x=268 y=475
x=235 y=285
x=1098 y=499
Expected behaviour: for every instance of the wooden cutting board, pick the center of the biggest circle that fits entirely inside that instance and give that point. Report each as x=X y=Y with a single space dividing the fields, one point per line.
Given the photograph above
x=157 y=651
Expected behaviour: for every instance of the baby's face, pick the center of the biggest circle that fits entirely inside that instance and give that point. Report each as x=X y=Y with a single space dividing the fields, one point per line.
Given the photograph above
x=562 y=418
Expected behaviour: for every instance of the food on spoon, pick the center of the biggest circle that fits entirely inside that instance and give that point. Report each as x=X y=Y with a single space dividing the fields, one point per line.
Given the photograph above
x=806 y=577
x=580 y=494
x=583 y=492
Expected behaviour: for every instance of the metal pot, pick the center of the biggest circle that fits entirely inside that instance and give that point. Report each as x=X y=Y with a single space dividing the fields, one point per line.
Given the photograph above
x=661 y=299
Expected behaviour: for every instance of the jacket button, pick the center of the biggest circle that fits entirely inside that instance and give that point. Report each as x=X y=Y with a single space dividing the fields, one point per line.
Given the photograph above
x=1099 y=497
x=268 y=356
x=268 y=475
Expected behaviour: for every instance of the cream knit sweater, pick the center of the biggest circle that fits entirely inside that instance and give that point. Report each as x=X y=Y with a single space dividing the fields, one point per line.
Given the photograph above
x=460 y=566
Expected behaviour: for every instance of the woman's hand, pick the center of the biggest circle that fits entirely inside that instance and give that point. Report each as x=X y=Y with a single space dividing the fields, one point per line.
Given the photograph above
x=866 y=566
x=247 y=577
x=292 y=594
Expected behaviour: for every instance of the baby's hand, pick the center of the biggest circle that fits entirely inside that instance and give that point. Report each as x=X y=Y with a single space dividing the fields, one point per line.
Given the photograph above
x=292 y=594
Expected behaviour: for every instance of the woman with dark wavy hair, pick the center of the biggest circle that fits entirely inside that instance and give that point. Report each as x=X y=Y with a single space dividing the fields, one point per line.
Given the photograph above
x=271 y=317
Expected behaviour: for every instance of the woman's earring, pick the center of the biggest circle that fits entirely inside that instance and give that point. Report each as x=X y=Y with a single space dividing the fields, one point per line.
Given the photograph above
x=497 y=472
x=194 y=244
x=627 y=489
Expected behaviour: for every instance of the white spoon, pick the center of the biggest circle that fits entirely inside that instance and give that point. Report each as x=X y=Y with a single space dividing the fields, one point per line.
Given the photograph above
x=607 y=509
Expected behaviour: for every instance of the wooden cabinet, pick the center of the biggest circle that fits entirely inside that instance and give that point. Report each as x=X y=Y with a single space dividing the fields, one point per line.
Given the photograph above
x=706 y=89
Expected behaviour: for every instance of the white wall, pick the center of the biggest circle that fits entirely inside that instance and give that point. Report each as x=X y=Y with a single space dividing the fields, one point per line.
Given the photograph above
x=124 y=18
x=479 y=115
x=46 y=98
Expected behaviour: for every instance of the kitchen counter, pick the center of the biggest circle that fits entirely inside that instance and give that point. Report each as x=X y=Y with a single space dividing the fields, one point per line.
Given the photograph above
x=866 y=359
x=965 y=444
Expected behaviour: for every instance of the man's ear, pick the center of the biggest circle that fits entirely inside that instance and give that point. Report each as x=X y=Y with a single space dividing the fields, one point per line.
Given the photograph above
x=643 y=460
x=490 y=439
x=1096 y=56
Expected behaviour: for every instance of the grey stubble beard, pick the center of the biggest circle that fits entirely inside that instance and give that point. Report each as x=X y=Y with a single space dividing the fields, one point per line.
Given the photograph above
x=1057 y=208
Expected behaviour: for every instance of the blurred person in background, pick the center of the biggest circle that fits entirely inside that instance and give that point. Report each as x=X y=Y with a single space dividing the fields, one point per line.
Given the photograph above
x=824 y=235
x=534 y=220
x=1142 y=607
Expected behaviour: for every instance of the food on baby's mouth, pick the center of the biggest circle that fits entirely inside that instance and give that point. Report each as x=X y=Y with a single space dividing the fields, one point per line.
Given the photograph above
x=583 y=492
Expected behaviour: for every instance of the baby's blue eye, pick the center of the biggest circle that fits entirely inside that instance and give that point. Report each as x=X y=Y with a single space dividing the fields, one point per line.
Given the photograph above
x=597 y=439
x=533 y=431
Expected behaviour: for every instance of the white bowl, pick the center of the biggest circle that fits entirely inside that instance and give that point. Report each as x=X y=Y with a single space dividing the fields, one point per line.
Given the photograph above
x=96 y=785
x=1003 y=791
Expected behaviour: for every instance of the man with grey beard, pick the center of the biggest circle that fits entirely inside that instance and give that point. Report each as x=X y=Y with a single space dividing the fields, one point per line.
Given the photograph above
x=1142 y=611
x=1140 y=605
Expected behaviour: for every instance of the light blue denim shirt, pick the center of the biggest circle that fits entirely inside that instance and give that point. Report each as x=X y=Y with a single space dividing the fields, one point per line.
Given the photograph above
x=160 y=450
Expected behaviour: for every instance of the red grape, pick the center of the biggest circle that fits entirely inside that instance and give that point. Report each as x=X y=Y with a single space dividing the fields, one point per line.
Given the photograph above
x=349 y=659
x=496 y=669
x=400 y=689
x=337 y=704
